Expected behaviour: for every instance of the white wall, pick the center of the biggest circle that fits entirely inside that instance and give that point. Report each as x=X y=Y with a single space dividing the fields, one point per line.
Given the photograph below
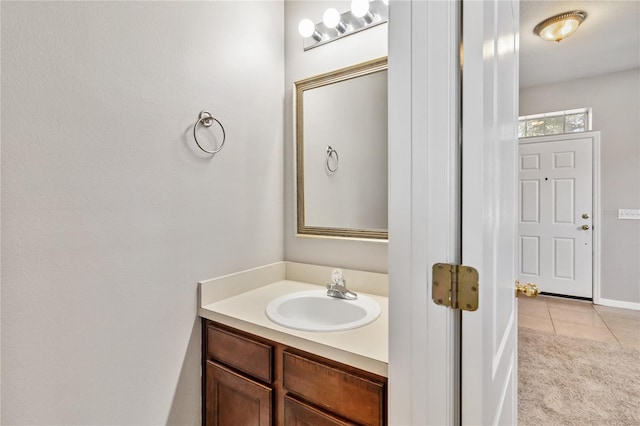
x=109 y=214
x=616 y=108
x=351 y=50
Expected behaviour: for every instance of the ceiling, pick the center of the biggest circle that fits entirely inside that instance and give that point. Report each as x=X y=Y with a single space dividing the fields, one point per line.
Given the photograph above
x=607 y=41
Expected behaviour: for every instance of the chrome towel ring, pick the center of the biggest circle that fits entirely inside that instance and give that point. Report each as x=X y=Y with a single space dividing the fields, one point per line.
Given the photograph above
x=330 y=153
x=206 y=119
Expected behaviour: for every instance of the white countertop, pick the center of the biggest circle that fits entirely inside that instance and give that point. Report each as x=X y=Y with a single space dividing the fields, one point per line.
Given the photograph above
x=365 y=347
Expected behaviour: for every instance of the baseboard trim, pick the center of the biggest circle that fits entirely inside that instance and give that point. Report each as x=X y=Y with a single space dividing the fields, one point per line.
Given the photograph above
x=619 y=304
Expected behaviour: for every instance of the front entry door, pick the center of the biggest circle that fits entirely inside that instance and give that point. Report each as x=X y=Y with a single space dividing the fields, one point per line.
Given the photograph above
x=556 y=214
x=489 y=209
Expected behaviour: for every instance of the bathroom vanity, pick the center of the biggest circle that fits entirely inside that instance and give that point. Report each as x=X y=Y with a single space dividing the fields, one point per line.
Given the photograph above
x=251 y=380
x=258 y=372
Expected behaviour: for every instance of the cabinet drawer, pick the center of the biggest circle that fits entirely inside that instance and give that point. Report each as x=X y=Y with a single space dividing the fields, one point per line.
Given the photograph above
x=298 y=413
x=239 y=352
x=349 y=395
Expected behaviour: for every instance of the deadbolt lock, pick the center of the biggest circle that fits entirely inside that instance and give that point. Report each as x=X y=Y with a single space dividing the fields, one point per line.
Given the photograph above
x=585 y=215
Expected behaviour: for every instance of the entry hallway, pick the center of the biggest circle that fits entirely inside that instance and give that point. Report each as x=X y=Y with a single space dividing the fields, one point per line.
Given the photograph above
x=580 y=319
x=578 y=363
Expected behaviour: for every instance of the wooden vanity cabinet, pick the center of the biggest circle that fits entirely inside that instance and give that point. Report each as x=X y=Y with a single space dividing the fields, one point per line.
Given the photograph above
x=249 y=380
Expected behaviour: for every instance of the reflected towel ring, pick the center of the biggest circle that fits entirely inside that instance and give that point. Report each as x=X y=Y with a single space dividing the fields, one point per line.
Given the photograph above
x=207 y=120
x=330 y=152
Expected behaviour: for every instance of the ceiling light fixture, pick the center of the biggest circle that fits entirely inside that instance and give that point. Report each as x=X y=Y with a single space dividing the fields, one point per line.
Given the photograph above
x=559 y=27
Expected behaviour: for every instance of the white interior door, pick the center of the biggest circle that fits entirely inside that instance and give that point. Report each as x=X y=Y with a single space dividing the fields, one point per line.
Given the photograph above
x=424 y=209
x=555 y=214
x=489 y=209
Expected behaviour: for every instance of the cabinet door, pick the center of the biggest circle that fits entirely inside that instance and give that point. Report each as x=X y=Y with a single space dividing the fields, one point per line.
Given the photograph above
x=233 y=400
x=297 y=413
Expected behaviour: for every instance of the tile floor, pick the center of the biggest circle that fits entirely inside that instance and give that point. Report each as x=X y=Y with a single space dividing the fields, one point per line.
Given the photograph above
x=580 y=319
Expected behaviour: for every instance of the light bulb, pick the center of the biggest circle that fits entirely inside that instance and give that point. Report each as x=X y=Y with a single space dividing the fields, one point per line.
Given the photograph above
x=359 y=8
x=559 y=30
x=331 y=18
x=560 y=26
x=306 y=28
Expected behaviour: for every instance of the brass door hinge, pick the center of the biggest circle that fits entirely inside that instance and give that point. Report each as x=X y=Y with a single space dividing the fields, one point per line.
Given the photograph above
x=455 y=286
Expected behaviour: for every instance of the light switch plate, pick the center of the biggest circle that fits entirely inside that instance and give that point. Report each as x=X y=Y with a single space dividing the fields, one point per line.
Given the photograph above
x=629 y=214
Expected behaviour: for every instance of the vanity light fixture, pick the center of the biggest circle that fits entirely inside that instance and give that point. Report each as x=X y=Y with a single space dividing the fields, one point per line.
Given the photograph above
x=560 y=26
x=307 y=28
x=364 y=14
x=360 y=9
x=331 y=19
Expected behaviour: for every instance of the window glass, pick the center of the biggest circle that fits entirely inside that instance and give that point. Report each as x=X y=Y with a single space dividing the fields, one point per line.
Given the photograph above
x=575 y=123
x=535 y=127
x=554 y=123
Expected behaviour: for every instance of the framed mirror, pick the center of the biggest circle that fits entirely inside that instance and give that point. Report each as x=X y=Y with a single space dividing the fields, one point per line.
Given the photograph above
x=341 y=152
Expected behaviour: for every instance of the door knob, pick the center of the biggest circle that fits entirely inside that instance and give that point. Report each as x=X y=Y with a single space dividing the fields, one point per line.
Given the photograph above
x=585 y=215
x=585 y=227
x=530 y=290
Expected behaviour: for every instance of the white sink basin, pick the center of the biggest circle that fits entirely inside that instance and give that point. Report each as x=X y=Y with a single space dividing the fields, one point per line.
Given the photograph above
x=313 y=310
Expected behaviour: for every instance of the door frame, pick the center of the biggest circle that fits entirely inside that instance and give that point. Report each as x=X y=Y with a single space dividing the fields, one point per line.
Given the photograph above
x=596 y=207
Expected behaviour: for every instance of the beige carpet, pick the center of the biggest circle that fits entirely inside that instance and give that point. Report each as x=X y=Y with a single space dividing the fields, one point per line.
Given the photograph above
x=568 y=381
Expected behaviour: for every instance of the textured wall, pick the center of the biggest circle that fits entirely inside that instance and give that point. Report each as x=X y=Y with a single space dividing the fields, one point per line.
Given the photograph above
x=616 y=108
x=351 y=50
x=110 y=216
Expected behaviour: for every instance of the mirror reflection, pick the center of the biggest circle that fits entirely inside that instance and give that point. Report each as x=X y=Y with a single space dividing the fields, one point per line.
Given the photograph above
x=341 y=152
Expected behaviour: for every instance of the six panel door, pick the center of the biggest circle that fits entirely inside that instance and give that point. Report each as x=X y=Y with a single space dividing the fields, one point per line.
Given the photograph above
x=555 y=215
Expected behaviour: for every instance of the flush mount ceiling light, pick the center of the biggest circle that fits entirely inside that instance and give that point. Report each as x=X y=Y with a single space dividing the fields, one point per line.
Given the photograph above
x=560 y=26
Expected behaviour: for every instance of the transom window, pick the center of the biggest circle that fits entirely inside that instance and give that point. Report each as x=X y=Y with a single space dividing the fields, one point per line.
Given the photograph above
x=554 y=123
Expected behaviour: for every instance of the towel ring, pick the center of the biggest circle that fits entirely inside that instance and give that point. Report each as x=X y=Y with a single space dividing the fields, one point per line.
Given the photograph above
x=330 y=152
x=206 y=119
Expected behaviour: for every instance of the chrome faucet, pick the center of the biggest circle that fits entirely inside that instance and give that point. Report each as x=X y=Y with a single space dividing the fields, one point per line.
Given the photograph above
x=338 y=288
